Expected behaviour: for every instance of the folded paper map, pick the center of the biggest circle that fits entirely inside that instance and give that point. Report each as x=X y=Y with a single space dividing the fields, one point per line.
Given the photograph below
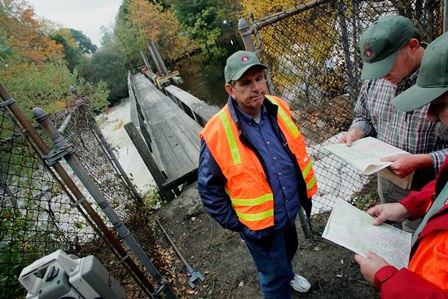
x=365 y=155
x=353 y=229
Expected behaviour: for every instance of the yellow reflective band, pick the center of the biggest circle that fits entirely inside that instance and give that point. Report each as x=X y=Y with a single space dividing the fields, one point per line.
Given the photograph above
x=257 y=216
x=290 y=124
x=231 y=139
x=311 y=183
x=250 y=202
x=307 y=169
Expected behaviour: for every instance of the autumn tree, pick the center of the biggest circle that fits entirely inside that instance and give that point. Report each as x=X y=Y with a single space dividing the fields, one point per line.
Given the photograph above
x=209 y=22
x=313 y=52
x=300 y=58
x=72 y=53
x=141 y=21
x=33 y=68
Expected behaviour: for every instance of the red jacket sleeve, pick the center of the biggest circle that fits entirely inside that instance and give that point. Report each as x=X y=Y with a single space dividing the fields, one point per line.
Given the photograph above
x=393 y=283
x=418 y=202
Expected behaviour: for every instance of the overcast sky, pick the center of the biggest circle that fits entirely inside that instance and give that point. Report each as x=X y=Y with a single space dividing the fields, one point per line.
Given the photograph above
x=85 y=15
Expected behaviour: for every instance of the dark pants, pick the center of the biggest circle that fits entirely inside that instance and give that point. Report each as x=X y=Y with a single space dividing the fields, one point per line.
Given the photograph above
x=272 y=256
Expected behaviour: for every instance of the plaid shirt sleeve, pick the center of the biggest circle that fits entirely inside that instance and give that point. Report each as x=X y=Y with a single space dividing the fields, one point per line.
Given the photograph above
x=362 y=118
x=438 y=158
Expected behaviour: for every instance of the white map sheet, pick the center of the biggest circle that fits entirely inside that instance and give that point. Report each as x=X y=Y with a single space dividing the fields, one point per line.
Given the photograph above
x=353 y=229
x=365 y=154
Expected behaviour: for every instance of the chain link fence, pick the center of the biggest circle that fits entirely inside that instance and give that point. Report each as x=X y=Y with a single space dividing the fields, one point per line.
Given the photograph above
x=40 y=213
x=311 y=50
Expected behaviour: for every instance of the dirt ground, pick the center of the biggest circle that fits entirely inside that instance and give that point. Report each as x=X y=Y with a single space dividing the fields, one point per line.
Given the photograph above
x=222 y=257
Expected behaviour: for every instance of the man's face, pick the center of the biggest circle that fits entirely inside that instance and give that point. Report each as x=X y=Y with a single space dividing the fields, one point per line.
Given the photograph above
x=249 y=90
x=438 y=109
x=402 y=67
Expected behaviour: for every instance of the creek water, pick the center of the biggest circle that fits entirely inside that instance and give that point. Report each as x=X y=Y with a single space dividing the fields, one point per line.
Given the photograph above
x=204 y=80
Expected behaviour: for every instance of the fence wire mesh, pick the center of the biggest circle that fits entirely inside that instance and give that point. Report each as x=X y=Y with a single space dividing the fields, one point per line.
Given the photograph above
x=311 y=50
x=37 y=215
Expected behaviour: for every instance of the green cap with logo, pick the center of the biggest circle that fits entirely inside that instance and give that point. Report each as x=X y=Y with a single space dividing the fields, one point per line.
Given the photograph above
x=238 y=63
x=381 y=43
x=432 y=79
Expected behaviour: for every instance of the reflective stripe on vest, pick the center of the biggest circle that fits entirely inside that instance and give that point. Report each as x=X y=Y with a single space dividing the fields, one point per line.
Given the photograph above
x=296 y=144
x=252 y=202
x=247 y=186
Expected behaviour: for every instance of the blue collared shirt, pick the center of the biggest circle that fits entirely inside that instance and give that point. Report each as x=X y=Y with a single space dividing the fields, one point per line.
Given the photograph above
x=277 y=163
x=282 y=173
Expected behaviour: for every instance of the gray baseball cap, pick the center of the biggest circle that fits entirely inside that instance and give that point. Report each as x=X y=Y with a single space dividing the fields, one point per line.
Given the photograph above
x=238 y=63
x=381 y=43
x=432 y=80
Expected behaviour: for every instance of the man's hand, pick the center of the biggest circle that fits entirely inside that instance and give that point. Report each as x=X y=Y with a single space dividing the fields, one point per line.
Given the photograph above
x=370 y=265
x=394 y=212
x=352 y=135
x=405 y=163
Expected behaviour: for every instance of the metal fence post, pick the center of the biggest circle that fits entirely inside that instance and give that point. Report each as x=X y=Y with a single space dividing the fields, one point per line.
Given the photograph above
x=109 y=151
x=60 y=146
x=112 y=241
x=246 y=35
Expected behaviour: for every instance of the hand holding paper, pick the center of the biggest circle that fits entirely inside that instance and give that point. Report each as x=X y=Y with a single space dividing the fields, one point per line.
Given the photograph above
x=366 y=155
x=354 y=229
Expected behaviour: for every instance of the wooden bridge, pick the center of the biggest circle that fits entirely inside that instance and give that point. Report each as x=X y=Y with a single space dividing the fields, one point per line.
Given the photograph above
x=165 y=129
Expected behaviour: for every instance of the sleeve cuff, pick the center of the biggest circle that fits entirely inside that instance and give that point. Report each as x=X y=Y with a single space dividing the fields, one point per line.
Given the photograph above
x=418 y=202
x=382 y=275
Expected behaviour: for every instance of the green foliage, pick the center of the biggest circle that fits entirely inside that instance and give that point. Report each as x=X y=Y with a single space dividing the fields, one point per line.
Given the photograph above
x=108 y=67
x=11 y=263
x=72 y=53
x=152 y=200
x=128 y=43
x=207 y=37
x=368 y=200
x=209 y=22
x=33 y=68
x=20 y=245
x=84 y=43
x=97 y=94
x=46 y=86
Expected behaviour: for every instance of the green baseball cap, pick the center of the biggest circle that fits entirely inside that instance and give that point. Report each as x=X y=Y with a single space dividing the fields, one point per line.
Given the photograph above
x=380 y=45
x=432 y=79
x=238 y=63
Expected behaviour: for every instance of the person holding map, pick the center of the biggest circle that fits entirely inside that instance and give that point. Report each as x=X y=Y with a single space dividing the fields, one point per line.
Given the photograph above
x=391 y=51
x=427 y=273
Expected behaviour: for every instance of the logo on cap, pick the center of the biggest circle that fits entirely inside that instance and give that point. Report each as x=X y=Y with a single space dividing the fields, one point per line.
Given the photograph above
x=245 y=58
x=368 y=53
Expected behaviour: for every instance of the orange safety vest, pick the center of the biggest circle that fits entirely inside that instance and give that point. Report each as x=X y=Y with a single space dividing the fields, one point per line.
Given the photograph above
x=249 y=192
x=430 y=261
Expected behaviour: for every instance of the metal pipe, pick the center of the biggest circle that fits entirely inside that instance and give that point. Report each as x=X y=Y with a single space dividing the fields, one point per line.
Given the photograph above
x=108 y=148
x=246 y=35
x=31 y=131
x=43 y=119
x=274 y=18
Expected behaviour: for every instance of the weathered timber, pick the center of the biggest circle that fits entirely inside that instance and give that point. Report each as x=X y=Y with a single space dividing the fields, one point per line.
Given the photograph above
x=200 y=111
x=173 y=137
